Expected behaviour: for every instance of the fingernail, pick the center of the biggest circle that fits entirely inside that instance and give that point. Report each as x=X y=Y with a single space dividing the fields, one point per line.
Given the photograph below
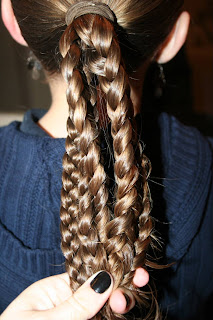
x=101 y=282
x=127 y=300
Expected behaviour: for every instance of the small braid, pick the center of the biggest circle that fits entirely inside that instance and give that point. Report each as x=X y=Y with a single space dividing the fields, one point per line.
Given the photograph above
x=69 y=212
x=83 y=175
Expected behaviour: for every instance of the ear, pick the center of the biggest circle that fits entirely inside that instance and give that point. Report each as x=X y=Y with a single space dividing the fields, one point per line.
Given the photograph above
x=10 y=22
x=175 y=40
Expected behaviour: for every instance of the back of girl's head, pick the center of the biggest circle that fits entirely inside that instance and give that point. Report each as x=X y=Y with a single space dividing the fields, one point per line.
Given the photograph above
x=105 y=217
x=145 y=24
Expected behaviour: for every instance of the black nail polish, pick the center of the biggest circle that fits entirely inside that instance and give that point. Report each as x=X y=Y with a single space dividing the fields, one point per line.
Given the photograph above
x=128 y=300
x=101 y=282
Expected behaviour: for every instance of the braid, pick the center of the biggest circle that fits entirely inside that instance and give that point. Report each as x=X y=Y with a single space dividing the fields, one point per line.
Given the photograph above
x=129 y=233
x=71 y=175
x=84 y=195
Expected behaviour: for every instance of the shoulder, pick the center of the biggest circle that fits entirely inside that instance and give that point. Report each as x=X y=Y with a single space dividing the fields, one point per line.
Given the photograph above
x=13 y=125
x=18 y=147
x=12 y=138
x=188 y=207
x=183 y=142
x=174 y=147
x=187 y=159
x=7 y=132
x=27 y=136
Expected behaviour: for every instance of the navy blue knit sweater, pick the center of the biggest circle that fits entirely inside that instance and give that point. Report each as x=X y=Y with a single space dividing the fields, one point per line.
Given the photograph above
x=30 y=184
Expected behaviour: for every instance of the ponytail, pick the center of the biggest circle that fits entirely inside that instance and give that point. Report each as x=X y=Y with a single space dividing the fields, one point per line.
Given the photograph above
x=97 y=234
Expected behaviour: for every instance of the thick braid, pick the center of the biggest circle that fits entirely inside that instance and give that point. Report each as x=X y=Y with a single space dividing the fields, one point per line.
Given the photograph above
x=128 y=234
x=83 y=175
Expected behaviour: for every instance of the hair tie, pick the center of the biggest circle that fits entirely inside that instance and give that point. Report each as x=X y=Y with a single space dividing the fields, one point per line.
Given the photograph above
x=88 y=7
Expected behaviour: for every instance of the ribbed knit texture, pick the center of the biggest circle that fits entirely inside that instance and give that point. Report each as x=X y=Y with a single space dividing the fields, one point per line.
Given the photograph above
x=188 y=171
x=30 y=184
x=187 y=288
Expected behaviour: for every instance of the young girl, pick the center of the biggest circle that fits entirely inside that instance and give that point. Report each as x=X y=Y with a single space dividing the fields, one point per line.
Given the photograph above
x=95 y=55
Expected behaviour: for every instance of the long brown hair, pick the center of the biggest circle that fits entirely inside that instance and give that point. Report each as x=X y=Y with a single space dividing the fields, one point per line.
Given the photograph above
x=105 y=218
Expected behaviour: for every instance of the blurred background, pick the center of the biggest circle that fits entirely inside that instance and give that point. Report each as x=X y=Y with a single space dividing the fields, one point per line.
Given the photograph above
x=188 y=92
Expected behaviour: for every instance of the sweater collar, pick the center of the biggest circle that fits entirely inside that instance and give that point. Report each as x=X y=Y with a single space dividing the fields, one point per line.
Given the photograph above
x=29 y=124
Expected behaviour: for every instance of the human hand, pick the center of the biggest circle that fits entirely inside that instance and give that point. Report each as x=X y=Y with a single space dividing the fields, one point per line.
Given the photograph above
x=51 y=298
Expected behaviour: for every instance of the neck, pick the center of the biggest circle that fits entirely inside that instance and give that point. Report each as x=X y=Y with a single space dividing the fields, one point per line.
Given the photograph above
x=55 y=120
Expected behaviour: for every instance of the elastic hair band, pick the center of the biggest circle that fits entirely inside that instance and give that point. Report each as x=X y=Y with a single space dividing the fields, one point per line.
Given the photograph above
x=88 y=7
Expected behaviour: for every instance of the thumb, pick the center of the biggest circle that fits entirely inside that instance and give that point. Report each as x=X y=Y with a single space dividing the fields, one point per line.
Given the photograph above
x=86 y=301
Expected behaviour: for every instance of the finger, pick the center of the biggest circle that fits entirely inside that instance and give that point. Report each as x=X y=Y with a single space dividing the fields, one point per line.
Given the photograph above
x=64 y=277
x=86 y=301
x=121 y=301
x=141 y=277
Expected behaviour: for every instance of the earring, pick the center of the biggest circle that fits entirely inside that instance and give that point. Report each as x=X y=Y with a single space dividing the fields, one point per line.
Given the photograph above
x=160 y=81
x=34 y=65
x=162 y=74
